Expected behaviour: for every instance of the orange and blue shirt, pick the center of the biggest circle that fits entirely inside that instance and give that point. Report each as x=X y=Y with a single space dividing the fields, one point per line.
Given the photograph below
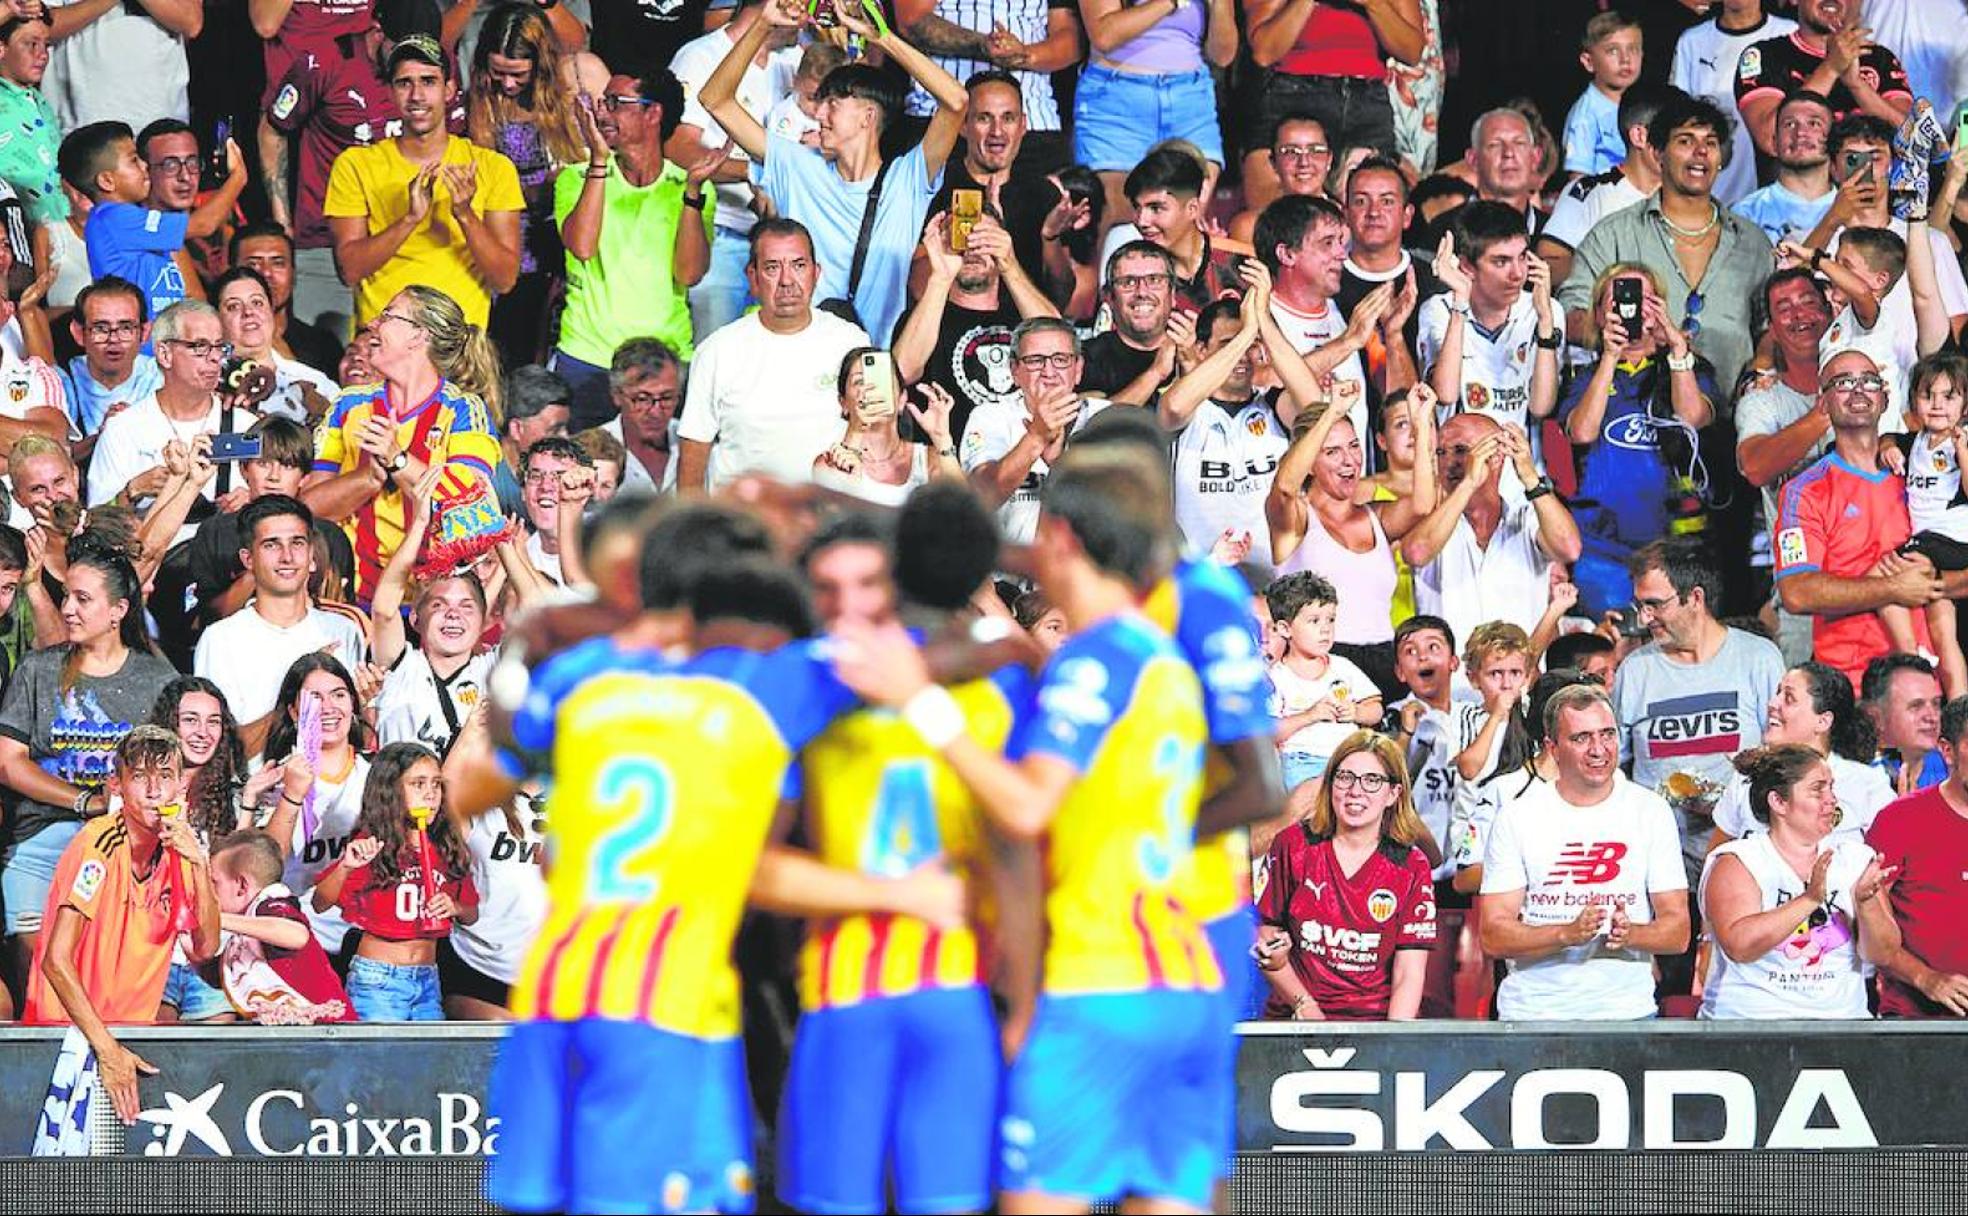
x=1120 y=705
x=882 y=802
x=450 y=427
x=1840 y=520
x=1207 y=610
x=666 y=779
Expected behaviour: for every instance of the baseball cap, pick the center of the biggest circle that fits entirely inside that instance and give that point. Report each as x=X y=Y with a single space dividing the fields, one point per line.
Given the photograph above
x=419 y=48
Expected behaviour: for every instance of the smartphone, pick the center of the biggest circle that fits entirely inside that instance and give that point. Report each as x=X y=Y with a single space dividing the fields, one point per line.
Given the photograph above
x=215 y=156
x=822 y=12
x=1629 y=623
x=965 y=207
x=1627 y=293
x=1854 y=160
x=234 y=445
x=877 y=385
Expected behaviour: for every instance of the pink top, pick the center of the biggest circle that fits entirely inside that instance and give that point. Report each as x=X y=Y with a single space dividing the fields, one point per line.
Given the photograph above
x=1365 y=581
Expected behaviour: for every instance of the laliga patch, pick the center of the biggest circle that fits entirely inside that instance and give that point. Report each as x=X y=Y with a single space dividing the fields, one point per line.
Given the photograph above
x=1380 y=905
x=1750 y=65
x=1790 y=547
x=283 y=105
x=89 y=879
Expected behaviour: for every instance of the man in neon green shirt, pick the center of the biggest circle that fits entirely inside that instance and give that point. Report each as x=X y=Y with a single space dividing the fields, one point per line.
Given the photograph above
x=638 y=235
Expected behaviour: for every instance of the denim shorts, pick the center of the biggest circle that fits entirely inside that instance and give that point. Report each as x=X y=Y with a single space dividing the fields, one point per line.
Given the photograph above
x=195 y=1000
x=1301 y=767
x=392 y=992
x=30 y=870
x=1118 y=116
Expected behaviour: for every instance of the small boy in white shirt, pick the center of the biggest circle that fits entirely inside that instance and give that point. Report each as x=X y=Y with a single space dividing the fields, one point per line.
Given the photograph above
x=1868 y=265
x=1317 y=697
x=1611 y=51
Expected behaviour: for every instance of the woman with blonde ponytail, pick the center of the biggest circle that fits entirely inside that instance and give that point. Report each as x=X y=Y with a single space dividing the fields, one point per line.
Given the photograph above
x=437 y=404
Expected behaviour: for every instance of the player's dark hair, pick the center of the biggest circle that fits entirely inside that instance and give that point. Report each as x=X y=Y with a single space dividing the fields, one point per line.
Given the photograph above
x=946 y=545
x=1117 y=504
x=754 y=590
x=684 y=542
x=1775 y=769
x=845 y=528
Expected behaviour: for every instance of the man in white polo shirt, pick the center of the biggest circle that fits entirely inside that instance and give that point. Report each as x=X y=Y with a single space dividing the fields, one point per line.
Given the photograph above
x=247 y=654
x=1582 y=879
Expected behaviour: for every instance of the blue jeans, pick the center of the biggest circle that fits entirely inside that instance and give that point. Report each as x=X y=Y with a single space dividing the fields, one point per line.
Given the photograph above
x=1301 y=767
x=29 y=871
x=1118 y=116
x=195 y=1000
x=722 y=295
x=391 y=992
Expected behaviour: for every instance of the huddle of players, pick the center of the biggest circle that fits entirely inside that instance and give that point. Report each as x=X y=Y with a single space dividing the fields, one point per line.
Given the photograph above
x=913 y=754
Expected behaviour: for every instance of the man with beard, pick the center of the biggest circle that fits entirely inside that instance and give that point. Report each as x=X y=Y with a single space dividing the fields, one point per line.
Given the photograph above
x=994 y=131
x=1830 y=54
x=425 y=207
x=1133 y=360
x=1792 y=205
x=958 y=335
x=1711 y=261
x=1780 y=427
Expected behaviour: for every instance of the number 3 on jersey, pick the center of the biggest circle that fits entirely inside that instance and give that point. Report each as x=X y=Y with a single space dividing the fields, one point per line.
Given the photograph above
x=1179 y=769
x=641 y=795
x=902 y=831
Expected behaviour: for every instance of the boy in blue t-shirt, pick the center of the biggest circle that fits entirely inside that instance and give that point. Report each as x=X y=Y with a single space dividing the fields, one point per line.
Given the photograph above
x=1611 y=51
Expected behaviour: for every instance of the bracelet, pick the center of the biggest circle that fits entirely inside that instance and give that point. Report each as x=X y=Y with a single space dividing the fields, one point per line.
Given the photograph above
x=289 y=800
x=1459 y=307
x=1555 y=341
x=1681 y=363
x=695 y=204
x=1817 y=258
x=1301 y=1003
x=935 y=716
x=946 y=452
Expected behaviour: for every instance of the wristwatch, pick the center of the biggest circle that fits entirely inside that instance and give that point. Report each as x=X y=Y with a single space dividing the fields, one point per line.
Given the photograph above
x=1538 y=489
x=695 y=204
x=1556 y=340
x=397 y=463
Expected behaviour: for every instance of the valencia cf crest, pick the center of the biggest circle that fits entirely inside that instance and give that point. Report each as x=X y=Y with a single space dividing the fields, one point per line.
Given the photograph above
x=1476 y=396
x=1380 y=905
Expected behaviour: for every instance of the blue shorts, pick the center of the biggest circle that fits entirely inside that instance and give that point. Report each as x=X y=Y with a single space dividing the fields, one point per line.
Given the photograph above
x=1117 y=1095
x=602 y=1116
x=904 y=1087
x=1232 y=937
x=1297 y=768
x=1118 y=116
x=195 y=1000
x=394 y=992
x=30 y=870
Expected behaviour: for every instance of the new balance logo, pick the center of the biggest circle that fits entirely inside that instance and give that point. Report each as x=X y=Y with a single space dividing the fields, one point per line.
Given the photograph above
x=1586 y=864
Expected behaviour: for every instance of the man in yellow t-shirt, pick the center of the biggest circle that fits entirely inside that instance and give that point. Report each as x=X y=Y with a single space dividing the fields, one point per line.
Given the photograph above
x=427 y=206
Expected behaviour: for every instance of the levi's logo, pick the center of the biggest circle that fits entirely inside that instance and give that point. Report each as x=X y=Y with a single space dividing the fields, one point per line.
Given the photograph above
x=1586 y=864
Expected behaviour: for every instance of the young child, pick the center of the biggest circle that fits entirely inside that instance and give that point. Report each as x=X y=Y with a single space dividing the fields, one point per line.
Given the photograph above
x=1611 y=52
x=797 y=114
x=1317 y=697
x=1932 y=458
x=385 y=889
x=1894 y=326
x=274 y=972
x=1498 y=660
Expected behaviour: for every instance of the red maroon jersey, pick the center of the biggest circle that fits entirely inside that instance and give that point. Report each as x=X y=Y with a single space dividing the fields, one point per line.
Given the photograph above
x=1928 y=839
x=306 y=970
x=393 y=911
x=1344 y=930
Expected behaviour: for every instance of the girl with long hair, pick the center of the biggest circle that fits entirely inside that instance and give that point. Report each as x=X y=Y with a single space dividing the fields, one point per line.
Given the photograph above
x=1350 y=901
x=520 y=106
x=194 y=709
x=66 y=708
x=405 y=880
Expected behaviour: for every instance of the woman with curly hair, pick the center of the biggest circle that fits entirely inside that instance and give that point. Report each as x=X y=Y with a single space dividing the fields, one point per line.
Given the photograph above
x=194 y=709
x=405 y=880
x=520 y=105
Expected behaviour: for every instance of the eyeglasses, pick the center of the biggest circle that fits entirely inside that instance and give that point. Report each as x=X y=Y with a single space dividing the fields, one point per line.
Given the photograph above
x=1371 y=783
x=649 y=401
x=542 y=477
x=1654 y=604
x=615 y=101
x=1128 y=282
x=1301 y=151
x=114 y=329
x=1855 y=383
x=171 y=166
x=387 y=315
x=203 y=348
x=1058 y=359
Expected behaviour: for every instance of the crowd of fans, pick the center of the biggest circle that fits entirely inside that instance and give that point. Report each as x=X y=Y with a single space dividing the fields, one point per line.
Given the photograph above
x=1599 y=493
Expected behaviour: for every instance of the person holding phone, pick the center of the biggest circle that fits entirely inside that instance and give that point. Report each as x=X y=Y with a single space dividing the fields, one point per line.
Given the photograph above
x=872 y=460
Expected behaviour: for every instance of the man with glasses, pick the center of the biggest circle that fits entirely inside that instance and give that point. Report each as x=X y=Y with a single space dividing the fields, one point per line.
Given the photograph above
x=170 y=151
x=424 y=207
x=1839 y=527
x=644 y=380
x=137 y=229
x=1010 y=444
x=1710 y=259
x=638 y=234
x=1301 y=156
x=1582 y=882
x=128 y=467
x=541 y=472
x=1134 y=359
x=1696 y=694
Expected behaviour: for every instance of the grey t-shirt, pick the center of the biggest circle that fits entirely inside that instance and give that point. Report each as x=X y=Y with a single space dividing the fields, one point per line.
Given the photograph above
x=1764 y=409
x=73 y=734
x=1693 y=718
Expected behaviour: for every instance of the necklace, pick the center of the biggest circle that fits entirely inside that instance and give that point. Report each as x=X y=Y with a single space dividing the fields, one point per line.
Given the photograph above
x=1694 y=234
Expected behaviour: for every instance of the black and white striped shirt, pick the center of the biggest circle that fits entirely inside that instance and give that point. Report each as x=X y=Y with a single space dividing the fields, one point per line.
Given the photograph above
x=1026 y=19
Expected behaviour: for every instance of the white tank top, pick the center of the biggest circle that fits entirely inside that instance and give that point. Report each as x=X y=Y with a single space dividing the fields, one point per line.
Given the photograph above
x=1365 y=581
x=1813 y=973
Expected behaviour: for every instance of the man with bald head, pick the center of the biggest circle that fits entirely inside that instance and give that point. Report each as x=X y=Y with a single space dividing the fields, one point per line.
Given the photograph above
x=1840 y=524
x=1477 y=558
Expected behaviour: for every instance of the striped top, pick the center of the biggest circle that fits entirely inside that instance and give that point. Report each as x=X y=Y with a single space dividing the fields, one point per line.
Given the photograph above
x=1026 y=19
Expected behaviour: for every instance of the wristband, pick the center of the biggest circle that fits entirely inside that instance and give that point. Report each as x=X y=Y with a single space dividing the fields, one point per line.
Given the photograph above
x=1459 y=307
x=695 y=204
x=289 y=800
x=1817 y=258
x=1555 y=341
x=935 y=715
x=1681 y=363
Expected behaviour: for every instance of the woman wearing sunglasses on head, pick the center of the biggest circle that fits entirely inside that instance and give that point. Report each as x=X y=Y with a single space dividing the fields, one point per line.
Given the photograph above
x=1348 y=909
x=1794 y=915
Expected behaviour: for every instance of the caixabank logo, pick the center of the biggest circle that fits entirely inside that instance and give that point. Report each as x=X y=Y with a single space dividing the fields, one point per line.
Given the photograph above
x=285 y=1123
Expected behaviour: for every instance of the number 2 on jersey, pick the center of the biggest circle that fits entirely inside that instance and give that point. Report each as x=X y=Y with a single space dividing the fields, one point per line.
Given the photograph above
x=639 y=794
x=902 y=831
x=1178 y=768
